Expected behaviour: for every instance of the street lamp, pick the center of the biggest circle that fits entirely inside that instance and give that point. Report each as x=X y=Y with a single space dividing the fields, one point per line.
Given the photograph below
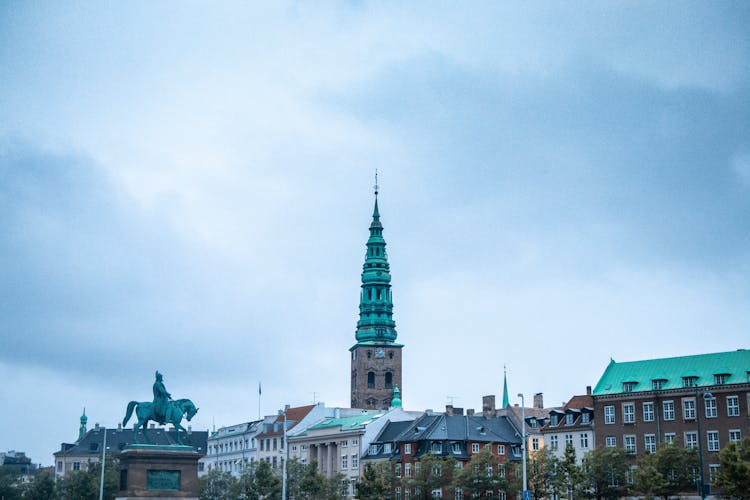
x=104 y=457
x=701 y=482
x=523 y=441
x=283 y=458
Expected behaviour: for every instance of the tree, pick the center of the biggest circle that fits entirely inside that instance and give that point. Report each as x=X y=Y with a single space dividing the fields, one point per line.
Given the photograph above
x=734 y=470
x=84 y=484
x=666 y=472
x=9 y=487
x=373 y=484
x=432 y=473
x=541 y=468
x=267 y=484
x=483 y=475
x=605 y=472
x=41 y=488
x=216 y=485
x=569 y=479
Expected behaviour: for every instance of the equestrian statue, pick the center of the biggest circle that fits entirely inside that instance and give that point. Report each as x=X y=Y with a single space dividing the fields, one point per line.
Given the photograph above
x=163 y=410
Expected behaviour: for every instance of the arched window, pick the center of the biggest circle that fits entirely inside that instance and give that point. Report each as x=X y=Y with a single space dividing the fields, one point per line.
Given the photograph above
x=378 y=293
x=388 y=380
x=370 y=380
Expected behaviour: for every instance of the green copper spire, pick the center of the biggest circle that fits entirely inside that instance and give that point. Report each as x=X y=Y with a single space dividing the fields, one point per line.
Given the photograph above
x=82 y=428
x=375 y=304
x=396 y=401
x=506 y=403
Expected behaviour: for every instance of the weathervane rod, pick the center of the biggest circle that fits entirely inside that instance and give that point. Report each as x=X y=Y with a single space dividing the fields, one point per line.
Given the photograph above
x=376 y=187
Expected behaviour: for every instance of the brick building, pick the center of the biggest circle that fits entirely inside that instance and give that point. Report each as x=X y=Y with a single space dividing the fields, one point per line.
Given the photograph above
x=703 y=401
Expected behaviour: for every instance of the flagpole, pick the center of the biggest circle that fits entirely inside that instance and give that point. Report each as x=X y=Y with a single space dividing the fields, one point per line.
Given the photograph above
x=259 y=393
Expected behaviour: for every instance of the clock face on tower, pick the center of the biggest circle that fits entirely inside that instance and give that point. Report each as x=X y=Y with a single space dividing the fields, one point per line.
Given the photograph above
x=379 y=353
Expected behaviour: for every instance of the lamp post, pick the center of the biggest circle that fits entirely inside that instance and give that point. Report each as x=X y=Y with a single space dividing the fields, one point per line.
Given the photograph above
x=283 y=458
x=523 y=442
x=702 y=477
x=104 y=456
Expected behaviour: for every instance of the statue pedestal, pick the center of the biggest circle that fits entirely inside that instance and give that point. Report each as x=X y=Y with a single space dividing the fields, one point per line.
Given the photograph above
x=151 y=471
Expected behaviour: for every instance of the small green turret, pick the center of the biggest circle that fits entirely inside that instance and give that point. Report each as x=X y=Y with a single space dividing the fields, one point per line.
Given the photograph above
x=396 y=401
x=82 y=428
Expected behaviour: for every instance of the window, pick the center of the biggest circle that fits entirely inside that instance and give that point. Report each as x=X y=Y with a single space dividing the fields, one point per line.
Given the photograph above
x=688 y=408
x=610 y=441
x=568 y=440
x=373 y=449
x=474 y=448
x=388 y=380
x=501 y=449
x=501 y=470
x=630 y=475
x=458 y=494
x=437 y=447
x=344 y=461
x=585 y=417
x=609 y=414
x=553 y=442
x=629 y=443
x=668 y=410
x=534 y=444
x=628 y=413
x=355 y=442
x=585 y=440
x=733 y=406
x=713 y=440
x=648 y=412
x=713 y=471
x=397 y=470
x=456 y=448
x=386 y=447
x=370 y=380
x=355 y=461
x=569 y=419
x=488 y=447
x=398 y=492
x=710 y=404
x=735 y=436
x=691 y=440
x=669 y=437
x=554 y=419
x=76 y=465
x=657 y=384
x=59 y=466
x=628 y=386
x=437 y=493
x=650 y=443
x=689 y=381
x=407 y=449
x=720 y=378
x=407 y=470
x=532 y=423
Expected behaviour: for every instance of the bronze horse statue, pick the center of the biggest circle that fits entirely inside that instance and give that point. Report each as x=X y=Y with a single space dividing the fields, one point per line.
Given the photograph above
x=144 y=410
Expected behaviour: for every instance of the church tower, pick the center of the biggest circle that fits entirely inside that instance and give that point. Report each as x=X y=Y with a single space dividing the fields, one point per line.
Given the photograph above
x=376 y=357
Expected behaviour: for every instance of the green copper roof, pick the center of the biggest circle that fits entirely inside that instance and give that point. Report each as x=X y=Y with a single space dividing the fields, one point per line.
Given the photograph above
x=396 y=401
x=375 y=302
x=347 y=423
x=671 y=371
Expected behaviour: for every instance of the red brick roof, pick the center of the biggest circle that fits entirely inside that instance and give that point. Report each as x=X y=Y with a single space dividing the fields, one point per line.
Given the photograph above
x=578 y=402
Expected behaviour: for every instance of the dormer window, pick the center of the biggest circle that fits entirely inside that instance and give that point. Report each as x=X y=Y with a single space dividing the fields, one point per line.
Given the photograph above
x=585 y=417
x=554 y=419
x=689 y=381
x=437 y=447
x=657 y=384
x=387 y=448
x=456 y=447
x=532 y=423
x=569 y=419
x=628 y=386
x=721 y=378
x=373 y=449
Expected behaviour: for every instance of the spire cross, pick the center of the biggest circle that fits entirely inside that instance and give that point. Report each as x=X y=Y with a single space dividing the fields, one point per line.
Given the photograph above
x=376 y=187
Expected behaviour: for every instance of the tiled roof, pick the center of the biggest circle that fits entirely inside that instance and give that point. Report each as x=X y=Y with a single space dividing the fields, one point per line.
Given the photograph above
x=579 y=402
x=734 y=364
x=296 y=414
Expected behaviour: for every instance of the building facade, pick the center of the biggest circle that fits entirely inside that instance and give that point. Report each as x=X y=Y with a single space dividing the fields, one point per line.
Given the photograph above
x=376 y=357
x=232 y=449
x=572 y=425
x=701 y=401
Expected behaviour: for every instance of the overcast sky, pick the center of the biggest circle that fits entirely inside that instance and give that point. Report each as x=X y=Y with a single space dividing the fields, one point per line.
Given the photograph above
x=187 y=187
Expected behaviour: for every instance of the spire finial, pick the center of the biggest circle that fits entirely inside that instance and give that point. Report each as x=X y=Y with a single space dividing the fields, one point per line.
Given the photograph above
x=376 y=187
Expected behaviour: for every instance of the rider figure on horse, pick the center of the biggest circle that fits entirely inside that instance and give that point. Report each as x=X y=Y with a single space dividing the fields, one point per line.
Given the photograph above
x=161 y=400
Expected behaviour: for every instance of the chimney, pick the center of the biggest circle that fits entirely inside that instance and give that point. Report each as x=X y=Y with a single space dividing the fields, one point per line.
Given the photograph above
x=190 y=429
x=119 y=426
x=470 y=411
x=538 y=400
x=588 y=390
x=286 y=408
x=488 y=406
x=96 y=426
x=458 y=411
x=449 y=410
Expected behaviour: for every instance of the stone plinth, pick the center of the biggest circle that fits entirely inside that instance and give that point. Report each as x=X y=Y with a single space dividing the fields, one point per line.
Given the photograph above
x=165 y=472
